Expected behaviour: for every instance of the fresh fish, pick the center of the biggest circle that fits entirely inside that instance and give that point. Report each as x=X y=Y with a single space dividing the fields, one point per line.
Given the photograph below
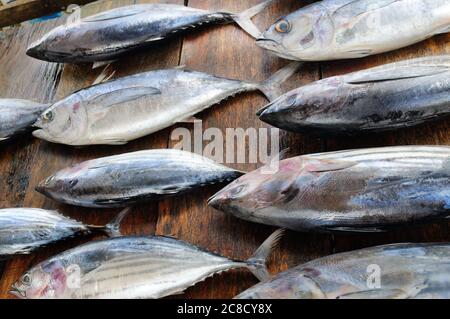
x=132 y=268
x=346 y=29
x=406 y=271
x=128 y=108
x=127 y=179
x=108 y=35
x=16 y=116
x=366 y=190
x=388 y=97
x=23 y=230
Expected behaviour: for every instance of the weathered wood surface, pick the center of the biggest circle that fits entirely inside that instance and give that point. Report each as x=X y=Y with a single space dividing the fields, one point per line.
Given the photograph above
x=224 y=51
x=24 y=10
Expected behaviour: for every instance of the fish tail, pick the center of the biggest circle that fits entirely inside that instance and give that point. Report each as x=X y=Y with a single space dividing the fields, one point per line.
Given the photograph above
x=112 y=229
x=271 y=87
x=243 y=19
x=257 y=264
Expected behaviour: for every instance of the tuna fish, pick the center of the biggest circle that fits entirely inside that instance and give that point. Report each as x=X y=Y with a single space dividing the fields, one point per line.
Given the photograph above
x=132 y=268
x=127 y=179
x=366 y=190
x=399 y=271
x=110 y=34
x=383 y=98
x=128 y=108
x=346 y=29
x=17 y=116
x=23 y=230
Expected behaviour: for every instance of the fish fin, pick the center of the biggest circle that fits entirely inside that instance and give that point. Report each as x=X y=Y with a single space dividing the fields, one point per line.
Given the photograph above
x=322 y=166
x=360 y=53
x=355 y=229
x=257 y=264
x=123 y=95
x=190 y=120
x=243 y=19
x=271 y=87
x=376 y=294
x=75 y=14
x=358 y=7
x=445 y=30
x=113 y=227
x=99 y=64
x=115 y=141
x=399 y=72
x=113 y=14
x=105 y=76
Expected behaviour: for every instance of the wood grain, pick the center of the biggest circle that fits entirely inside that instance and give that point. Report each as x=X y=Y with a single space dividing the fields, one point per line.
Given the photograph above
x=222 y=50
x=24 y=10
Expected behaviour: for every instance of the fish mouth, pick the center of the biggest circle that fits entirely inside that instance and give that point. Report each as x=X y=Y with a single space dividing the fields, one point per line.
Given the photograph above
x=17 y=292
x=260 y=112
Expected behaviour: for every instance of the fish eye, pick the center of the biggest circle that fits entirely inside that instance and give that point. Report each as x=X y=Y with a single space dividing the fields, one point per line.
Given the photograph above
x=26 y=279
x=283 y=26
x=48 y=116
x=238 y=190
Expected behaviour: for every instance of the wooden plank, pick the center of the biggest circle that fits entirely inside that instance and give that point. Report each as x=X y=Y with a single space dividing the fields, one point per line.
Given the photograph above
x=48 y=158
x=227 y=51
x=22 y=77
x=431 y=134
x=24 y=10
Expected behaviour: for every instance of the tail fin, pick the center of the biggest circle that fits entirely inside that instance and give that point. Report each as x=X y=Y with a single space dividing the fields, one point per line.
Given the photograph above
x=112 y=229
x=257 y=263
x=271 y=87
x=244 y=19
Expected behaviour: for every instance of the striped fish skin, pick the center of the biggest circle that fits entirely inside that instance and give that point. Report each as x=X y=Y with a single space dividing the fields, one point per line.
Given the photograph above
x=22 y=230
x=388 y=97
x=110 y=34
x=17 y=116
x=131 y=268
x=367 y=190
x=407 y=271
x=131 y=178
x=349 y=29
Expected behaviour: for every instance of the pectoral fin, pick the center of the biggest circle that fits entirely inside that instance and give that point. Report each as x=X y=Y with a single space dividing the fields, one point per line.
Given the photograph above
x=376 y=294
x=322 y=166
x=123 y=95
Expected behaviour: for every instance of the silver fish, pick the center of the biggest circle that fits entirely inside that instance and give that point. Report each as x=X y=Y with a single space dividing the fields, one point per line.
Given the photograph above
x=128 y=108
x=132 y=268
x=127 y=179
x=346 y=29
x=383 y=98
x=366 y=190
x=406 y=271
x=17 y=116
x=23 y=230
x=108 y=35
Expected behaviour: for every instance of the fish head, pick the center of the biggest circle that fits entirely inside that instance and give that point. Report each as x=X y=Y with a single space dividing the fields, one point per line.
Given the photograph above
x=301 y=35
x=288 y=285
x=52 y=47
x=256 y=191
x=62 y=123
x=48 y=280
x=312 y=103
x=63 y=185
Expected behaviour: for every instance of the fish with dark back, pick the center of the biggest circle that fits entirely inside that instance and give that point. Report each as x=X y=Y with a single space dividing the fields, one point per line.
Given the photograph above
x=383 y=98
x=365 y=190
x=110 y=34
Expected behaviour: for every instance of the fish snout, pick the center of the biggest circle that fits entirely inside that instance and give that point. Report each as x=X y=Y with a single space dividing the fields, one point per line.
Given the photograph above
x=219 y=201
x=36 y=50
x=267 y=44
x=15 y=291
x=45 y=186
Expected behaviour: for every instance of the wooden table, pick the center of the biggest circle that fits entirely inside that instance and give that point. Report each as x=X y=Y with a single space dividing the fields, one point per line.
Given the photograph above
x=222 y=50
